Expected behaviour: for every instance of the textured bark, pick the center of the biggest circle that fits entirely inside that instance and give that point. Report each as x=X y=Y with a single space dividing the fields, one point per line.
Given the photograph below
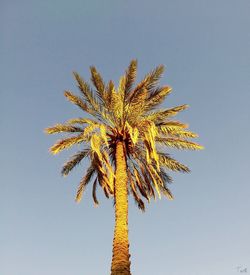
x=120 y=260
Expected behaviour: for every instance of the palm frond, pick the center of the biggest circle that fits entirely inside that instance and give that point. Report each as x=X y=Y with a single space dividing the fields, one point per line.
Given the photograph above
x=130 y=77
x=172 y=124
x=167 y=192
x=73 y=161
x=176 y=132
x=79 y=102
x=172 y=164
x=161 y=116
x=179 y=143
x=86 y=91
x=59 y=128
x=157 y=96
x=81 y=121
x=94 y=192
x=85 y=180
x=98 y=83
x=66 y=143
x=135 y=194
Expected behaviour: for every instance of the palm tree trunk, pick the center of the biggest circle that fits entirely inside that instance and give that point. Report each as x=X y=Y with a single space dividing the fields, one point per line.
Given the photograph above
x=120 y=260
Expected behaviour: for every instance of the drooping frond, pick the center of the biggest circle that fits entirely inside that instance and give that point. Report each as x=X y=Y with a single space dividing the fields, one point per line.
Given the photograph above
x=172 y=164
x=94 y=192
x=85 y=180
x=73 y=161
x=136 y=196
x=166 y=192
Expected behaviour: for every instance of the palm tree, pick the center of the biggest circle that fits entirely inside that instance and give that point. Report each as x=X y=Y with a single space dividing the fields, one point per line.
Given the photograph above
x=125 y=138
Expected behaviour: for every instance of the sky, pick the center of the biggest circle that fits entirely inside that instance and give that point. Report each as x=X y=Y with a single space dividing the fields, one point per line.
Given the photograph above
x=205 y=46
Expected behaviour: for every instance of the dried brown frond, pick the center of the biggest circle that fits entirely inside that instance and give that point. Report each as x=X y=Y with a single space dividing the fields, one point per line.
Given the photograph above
x=73 y=161
x=94 y=192
x=85 y=180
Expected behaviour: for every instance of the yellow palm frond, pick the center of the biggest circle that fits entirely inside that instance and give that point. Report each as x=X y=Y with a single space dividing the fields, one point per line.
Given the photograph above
x=79 y=102
x=172 y=164
x=98 y=83
x=59 y=128
x=81 y=121
x=95 y=143
x=176 y=132
x=66 y=143
x=157 y=96
x=103 y=132
x=130 y=76
x=160 y=116
x=172 y=124
x=116 y=106
x=179 y=143
x=86 y=92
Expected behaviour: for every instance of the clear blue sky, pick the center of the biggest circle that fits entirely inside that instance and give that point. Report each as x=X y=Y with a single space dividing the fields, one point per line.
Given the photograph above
x=205 y=46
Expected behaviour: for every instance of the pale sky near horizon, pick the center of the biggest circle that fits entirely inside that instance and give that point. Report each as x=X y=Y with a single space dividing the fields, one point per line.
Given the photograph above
x=205 y=46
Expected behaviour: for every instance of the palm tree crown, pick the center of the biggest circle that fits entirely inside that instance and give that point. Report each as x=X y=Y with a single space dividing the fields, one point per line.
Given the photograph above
x=126 y=114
